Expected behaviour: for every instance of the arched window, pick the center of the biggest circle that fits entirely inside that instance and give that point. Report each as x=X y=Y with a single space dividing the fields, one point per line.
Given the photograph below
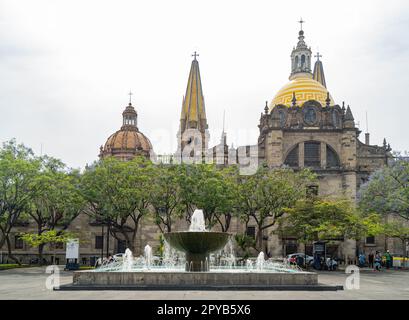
x=292 y=158
x=312 y=156
x=302 y=60
x=335 y=119
x=296 y=62
x=332 y=158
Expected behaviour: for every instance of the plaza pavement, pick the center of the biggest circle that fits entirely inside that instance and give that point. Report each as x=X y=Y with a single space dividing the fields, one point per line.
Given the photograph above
x=29 y=283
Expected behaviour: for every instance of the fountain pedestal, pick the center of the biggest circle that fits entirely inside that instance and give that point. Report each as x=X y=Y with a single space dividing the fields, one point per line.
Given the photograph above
x=197 y=262
x=197 y=246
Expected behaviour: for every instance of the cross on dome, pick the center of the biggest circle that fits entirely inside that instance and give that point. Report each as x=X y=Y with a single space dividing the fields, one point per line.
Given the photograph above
x=195 y=55
x=301 y=22
x=130 y=96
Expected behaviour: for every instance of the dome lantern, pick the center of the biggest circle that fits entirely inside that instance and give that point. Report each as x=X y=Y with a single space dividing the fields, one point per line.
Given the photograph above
x=127 y=142
x=301 y=57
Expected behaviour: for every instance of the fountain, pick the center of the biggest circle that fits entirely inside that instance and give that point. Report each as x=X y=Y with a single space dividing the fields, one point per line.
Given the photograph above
x=148 y=256
x=197 y=243
x=193 y=260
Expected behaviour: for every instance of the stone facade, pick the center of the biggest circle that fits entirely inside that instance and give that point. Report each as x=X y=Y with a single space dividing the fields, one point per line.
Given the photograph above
x=302 y=128
x=324 y=139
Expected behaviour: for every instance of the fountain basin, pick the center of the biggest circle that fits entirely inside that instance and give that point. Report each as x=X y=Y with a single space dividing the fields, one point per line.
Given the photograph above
x=194 y=280
x=197 y=246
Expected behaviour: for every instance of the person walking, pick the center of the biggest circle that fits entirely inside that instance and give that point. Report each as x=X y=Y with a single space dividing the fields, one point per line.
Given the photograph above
x=378 y=261
x=388 y=258
x=362 y=260
x=371 y=259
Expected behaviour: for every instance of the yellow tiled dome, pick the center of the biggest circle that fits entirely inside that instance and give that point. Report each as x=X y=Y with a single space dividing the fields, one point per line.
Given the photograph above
x=305 y=89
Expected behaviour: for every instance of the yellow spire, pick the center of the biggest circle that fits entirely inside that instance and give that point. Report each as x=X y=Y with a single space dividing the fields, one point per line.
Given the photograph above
x=319 y=71
x=193 y=107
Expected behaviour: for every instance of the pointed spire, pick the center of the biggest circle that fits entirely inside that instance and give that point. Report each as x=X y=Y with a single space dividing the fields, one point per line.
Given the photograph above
x=224 y=134
x=266 y=108
x=318 y=74
x=193 y=107
x=348 y=115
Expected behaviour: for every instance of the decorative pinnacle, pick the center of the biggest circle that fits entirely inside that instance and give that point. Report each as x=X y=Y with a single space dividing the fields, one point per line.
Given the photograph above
x=294 y=100
x=130 y=97
x=266 y=108
x=328 y=100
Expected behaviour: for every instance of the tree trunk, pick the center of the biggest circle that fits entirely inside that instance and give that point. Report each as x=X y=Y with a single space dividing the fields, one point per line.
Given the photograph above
x=40 y=254
x=2 y=241
x=10 y=253
x=260 y=239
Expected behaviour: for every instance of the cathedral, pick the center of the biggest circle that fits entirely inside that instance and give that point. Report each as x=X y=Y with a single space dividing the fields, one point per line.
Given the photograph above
x=302 y=127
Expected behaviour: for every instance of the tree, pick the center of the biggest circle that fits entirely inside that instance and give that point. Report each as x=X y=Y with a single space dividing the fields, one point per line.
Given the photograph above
x=18 y=168
x=266 y=195
x=245 y=242
x=398 y=231
x=55 y=199
x=320 y=219
x=211 y=189
x=46 y=237
x=387 y=191
x=117 y=193
x=164 y=196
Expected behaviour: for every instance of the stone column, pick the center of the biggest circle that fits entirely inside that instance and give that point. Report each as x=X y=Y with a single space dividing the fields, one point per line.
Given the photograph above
x=301 y=155
x=274 y=148
x=323 y=154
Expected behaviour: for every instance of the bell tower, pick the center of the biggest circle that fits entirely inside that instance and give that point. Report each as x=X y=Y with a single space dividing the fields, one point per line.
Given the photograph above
x=193 y=136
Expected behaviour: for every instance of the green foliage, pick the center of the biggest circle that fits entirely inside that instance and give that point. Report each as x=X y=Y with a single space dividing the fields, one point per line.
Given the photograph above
x=265 y=196
x=160 y=251
x=245 y=243
x=214 y=190
x=18 y=169
x=325 y=219
x=117 y=193
x=47 y=237
x=54 y=199
x=397 y=230
x=387 y=191
x=8 y=266
x=164 y=196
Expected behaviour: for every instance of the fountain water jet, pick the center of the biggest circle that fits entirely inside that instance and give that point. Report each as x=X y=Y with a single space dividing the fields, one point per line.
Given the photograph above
x=148 y=256
x=197 y=243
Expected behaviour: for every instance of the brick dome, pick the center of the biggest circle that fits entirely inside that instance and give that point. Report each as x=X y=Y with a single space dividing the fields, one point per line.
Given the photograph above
x=127 y=142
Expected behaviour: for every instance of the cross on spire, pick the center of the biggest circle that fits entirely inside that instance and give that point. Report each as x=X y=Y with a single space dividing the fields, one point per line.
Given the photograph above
x=301 y=22
x=195 y=55
x=318 y=56
x=130 y=96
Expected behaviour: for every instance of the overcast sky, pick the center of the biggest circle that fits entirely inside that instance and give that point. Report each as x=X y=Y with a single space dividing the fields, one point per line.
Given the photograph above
x=66 y=67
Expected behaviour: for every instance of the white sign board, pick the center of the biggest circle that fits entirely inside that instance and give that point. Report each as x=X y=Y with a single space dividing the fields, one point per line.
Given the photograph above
x=72 y=251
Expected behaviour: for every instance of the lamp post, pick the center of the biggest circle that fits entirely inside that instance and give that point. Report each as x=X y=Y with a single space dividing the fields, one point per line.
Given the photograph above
x=108 y=229
x=102 y=247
